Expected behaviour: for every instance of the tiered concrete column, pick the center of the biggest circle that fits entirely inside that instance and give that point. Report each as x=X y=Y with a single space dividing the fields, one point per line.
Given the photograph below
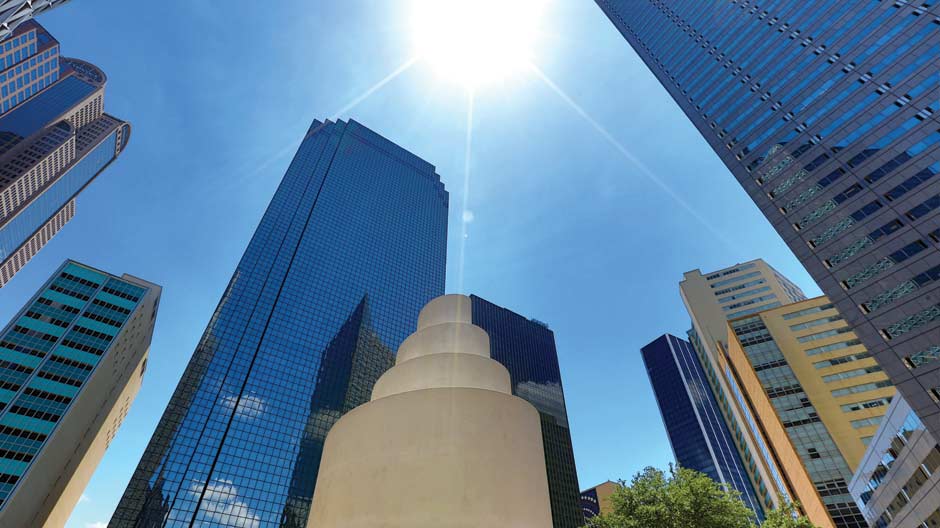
x=442 y=444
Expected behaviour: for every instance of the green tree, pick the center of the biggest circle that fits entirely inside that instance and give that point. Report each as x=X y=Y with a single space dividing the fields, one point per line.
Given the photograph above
x=786 y=517
x=684 y=498
x=681 y=499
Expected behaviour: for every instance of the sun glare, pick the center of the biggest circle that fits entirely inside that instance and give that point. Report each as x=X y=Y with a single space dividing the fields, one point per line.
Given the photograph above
x=476 y=41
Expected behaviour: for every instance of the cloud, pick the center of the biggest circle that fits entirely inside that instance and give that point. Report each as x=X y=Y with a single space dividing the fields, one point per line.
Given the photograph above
x=99 y=524
x=84 y=498
x=248 y=407
x=220 y=503
x=468 y=216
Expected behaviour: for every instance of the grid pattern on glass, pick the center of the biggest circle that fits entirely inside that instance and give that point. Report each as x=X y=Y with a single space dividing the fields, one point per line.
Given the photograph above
x=527 y=349
x=352 y=245
x=826 y=112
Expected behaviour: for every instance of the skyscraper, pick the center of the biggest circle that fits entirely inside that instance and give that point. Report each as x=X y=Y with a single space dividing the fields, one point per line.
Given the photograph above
x=827 y=114
x=805 y=371
x=71 y=363
x=351 y=247
x=697 y=431
x=711 y=299
x=54 y=140
x=15 y=12
x=526 y=348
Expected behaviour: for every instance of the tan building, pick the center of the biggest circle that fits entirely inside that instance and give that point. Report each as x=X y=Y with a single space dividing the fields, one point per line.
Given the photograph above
x=815 y=390
x=711 y=300
x=596 y=501
x=76 y=383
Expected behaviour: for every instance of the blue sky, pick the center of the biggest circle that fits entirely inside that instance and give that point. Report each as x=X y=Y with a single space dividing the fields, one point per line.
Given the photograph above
x=565 y=227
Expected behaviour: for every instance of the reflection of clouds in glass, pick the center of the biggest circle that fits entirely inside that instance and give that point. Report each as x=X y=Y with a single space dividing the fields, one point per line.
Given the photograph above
x=221 y=505
x=249 y=407
x=546 y=397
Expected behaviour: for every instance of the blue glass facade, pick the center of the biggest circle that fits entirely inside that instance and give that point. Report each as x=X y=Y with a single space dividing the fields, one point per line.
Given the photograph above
x=527 y=349
x=697 y=431
x=351 y=247
x=48 y=354
x=828 y=114
x=18 y=230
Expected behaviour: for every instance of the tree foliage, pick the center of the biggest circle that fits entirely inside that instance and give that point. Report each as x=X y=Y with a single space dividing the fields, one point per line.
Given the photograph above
x=680 y=499
x=684 y=498
x=786 y=517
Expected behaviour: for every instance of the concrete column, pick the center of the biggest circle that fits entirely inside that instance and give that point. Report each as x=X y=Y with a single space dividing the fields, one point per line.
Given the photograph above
x=442 y=444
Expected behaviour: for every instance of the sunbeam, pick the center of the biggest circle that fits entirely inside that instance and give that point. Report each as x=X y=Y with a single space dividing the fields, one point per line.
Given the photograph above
x=376 y=87
x=629 y=155
x=465 y=215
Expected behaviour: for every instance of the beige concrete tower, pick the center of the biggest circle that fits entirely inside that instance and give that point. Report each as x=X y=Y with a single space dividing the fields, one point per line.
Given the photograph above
x=442 y=444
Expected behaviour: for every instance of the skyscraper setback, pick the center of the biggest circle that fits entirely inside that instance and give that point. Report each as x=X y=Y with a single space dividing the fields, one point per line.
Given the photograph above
x=54 y=140
x=351 y=247
x=827 y=114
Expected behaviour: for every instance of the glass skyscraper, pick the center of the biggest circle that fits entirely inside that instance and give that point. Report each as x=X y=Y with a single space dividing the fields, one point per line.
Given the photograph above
x=55 y=139
x=826 y=112
x=351 y=247
x=526 y=348
x=697 y=431
x=71 y=362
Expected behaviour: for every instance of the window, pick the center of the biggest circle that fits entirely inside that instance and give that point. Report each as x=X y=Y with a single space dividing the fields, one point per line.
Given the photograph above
x=834 y=346
x=924 y=208
x=824 y=335
x=816 y=322
x=868 y=404
x=851 y=374
x=865 y=387
x=841 y=360
x=815 y=309
x=865 y=422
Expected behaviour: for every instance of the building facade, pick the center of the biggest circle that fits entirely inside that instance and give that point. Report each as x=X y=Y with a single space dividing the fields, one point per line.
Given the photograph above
x=526 y=348
x=823 y=388
x=15 y=12
x=897 y=484
x=596 y=501
x=711 y=299
x=827 y=114
x=71 y=362
x=352 y=245
x=697 y=431
x=55 y=139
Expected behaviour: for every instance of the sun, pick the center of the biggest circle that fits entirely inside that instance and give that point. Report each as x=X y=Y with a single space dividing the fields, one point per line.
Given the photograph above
x=475 y=42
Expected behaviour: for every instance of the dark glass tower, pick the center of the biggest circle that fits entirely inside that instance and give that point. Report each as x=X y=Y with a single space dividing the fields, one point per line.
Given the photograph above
x=826 y=112
x=697 y=431
x=351 y=247
x=526 y=348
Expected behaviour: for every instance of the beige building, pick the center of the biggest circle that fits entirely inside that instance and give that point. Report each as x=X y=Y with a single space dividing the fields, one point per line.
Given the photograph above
x=815 y=390
x=82 y=374
x=712 y=299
